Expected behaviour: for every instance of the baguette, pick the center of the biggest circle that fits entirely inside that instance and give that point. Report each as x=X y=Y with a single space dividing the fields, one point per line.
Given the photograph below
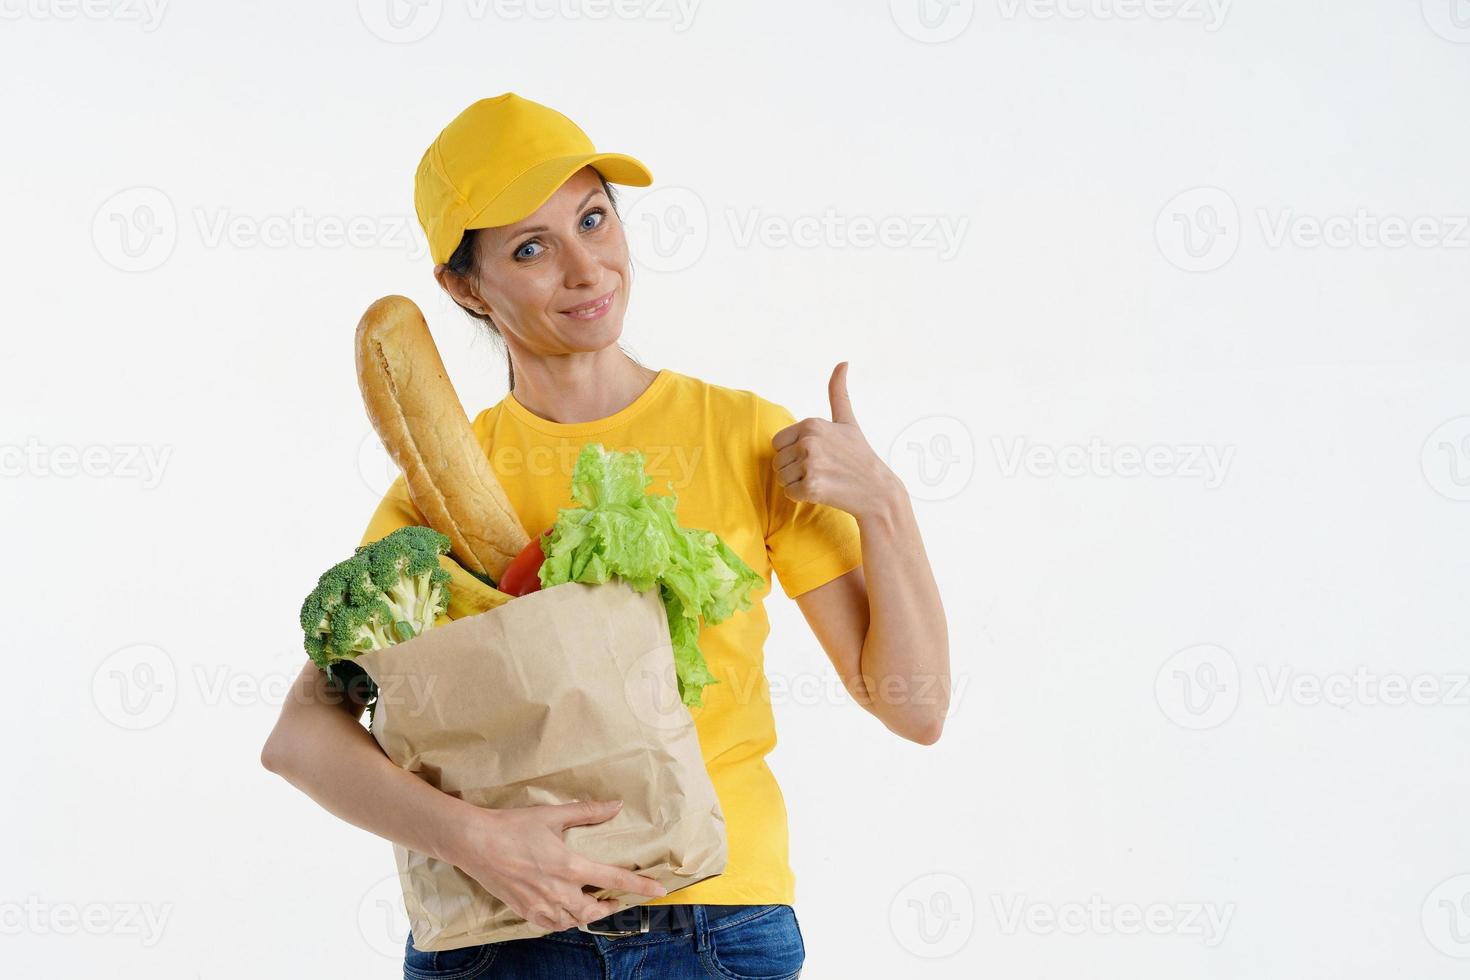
x=412 y=405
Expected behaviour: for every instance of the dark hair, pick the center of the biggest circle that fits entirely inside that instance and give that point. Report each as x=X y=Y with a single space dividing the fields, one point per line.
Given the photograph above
x=462 y=263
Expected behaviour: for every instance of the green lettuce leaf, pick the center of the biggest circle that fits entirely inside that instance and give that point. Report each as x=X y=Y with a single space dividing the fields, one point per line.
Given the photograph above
x=621 y=530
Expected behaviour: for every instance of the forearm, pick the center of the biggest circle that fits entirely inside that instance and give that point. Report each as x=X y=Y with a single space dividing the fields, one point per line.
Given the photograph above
x=905 y=657
x=319 y=746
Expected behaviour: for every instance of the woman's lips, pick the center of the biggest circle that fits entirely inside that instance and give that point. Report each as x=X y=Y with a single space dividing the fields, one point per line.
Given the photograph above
x=592 y=310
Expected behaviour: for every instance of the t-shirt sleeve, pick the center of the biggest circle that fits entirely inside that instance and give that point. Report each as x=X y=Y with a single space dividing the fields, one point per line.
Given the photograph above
x=808 y=544
x=467 y=594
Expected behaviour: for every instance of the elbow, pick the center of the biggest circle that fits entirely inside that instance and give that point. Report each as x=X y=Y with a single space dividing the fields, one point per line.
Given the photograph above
x=273 y=755
x=930 y=725
x=920 y=729
x=928 y=733
x=920 y=723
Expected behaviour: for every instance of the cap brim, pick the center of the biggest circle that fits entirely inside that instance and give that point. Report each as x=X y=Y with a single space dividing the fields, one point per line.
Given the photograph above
x=523 y=196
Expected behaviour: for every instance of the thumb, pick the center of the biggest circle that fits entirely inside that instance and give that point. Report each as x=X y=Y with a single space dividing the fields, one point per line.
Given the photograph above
x=837 y=394
x=584 y=812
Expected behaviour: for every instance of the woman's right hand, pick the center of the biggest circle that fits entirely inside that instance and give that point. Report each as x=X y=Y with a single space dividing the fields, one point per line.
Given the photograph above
x=518 y=855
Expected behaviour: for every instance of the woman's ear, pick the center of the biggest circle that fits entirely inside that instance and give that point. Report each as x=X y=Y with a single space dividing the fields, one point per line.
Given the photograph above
x=459 y=288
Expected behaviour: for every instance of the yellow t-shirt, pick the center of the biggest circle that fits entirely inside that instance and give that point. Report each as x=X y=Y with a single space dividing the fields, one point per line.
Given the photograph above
x=714 y=445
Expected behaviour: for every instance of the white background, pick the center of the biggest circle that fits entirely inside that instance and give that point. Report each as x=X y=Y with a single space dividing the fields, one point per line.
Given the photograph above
x=1120 y=737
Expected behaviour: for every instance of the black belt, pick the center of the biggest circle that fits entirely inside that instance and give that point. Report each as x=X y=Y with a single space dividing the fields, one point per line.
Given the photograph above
x=655 y=918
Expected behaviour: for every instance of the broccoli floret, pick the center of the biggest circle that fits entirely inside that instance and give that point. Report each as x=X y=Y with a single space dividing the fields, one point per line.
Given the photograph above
x=340 y=586
x=387 y=592
x=358 y=628
x=404 y=567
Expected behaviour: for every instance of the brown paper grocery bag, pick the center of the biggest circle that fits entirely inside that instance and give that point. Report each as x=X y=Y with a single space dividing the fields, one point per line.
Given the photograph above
x=561 y=695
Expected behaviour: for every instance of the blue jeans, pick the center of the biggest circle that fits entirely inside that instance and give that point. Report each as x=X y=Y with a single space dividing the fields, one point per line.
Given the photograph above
x=762 y=942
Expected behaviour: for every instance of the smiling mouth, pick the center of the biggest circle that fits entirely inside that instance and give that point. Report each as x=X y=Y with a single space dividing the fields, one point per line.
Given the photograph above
x=592 y=310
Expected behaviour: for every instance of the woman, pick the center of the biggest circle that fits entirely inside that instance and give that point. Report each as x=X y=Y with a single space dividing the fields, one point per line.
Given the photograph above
x=523 y=230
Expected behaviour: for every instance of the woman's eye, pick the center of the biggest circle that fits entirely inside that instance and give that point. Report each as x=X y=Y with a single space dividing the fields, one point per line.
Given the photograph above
x=590 y=220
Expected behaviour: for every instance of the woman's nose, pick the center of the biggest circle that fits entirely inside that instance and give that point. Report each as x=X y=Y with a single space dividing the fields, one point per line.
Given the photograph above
x=582 y=266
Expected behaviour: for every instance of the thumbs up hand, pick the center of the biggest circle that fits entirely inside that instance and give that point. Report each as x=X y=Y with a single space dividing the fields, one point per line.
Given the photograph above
x=831 y=462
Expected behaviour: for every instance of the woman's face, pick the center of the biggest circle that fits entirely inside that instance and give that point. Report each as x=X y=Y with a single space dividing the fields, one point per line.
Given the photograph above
x=537 y=277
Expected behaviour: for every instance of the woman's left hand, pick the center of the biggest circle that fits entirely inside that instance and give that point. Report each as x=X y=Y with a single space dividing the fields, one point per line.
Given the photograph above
x=831 y=463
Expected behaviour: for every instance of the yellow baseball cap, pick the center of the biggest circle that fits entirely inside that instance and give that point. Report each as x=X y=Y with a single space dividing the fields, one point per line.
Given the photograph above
x=500 y=160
